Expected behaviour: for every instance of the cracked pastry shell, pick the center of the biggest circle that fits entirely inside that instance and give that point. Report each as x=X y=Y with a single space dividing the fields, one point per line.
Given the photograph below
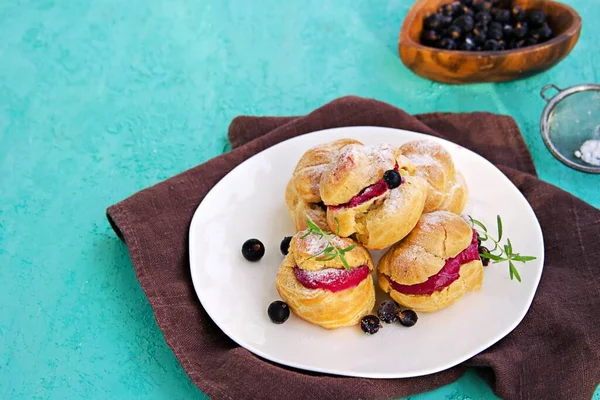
x=322 y=307
x=447 y=189
x=382 y=220
x=437 y=236
x=302 y=194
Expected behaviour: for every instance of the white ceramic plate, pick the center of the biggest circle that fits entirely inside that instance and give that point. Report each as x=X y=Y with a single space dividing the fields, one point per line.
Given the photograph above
x=249 y=203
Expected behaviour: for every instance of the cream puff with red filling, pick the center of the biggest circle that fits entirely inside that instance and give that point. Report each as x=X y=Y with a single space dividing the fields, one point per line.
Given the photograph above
x=371 y=194
x=302 y=195
x=321 y=289
x=435 y=265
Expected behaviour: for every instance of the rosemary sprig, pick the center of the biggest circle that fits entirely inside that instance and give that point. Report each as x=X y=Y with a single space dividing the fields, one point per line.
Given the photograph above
x=504 y=252
x=332 y=251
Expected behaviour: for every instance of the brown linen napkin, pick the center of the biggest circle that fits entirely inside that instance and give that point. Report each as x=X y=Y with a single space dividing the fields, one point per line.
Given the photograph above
x=554 y=353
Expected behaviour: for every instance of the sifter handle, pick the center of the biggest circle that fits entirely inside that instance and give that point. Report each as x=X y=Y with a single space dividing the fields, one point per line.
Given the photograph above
x=545 y=88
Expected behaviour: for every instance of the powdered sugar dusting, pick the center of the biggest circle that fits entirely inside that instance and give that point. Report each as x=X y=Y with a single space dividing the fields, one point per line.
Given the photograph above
x=314 y=244
x=430 y=221
x=372 y=157
x=394 y=201
x=325 y=276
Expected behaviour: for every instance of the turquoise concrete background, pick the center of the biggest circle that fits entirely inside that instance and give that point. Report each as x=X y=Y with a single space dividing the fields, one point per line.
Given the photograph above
x=99 y=99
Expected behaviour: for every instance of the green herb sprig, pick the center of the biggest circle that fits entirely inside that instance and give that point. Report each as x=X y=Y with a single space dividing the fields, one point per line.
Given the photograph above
x=331 y=251
x=504 y=252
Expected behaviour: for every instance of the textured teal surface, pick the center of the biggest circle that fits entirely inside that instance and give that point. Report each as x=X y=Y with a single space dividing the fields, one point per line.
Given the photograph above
x=99 y=99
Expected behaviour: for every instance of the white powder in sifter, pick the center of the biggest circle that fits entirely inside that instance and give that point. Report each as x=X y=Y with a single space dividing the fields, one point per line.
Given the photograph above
x=589 y=152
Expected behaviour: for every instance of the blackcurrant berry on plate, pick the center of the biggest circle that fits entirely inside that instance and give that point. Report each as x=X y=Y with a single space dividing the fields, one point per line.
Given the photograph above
x=370 y=324
x=484 y=250
x=285 y=245
x=537 y=18
x=518 y=14
x=278 y=312
x=501 y=45
x=507 y=30
x=408 y=317
x=253 y=250
x=388 y=311
x=392 y=178
x=433 y=22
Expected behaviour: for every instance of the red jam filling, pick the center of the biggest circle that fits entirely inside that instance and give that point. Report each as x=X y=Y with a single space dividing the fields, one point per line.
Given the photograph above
x=368 y=193
x=448 y=274
x=332 y=279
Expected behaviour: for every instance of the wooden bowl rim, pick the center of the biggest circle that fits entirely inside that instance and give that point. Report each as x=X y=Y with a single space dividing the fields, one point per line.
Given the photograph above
x=406 y=41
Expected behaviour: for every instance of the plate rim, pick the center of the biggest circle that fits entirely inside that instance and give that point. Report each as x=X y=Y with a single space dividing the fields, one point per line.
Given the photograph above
x=349 y=373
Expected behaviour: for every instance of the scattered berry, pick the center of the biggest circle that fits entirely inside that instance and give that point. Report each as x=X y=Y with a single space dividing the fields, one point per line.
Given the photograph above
x=278 y=312
x=370 y=324
x=392 y=178
x=253 y=250
x=285 y=245
x=408 y=317
x=388 y=311
x=484 y=250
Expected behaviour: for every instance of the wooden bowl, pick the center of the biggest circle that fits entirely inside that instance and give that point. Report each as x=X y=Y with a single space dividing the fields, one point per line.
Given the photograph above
x=452 y=66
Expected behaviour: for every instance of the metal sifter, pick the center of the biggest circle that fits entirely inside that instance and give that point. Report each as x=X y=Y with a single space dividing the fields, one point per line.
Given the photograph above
x=570 y=125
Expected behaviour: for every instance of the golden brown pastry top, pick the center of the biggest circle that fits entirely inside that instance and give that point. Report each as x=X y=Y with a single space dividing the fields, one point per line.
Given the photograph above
x=311 y=165
x=436 y=237
x=447 y=188
x=303 y=249
x=357 y=166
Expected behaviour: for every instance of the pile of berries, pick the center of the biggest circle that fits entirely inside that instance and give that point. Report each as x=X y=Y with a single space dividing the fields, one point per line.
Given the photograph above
x=483 y=25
